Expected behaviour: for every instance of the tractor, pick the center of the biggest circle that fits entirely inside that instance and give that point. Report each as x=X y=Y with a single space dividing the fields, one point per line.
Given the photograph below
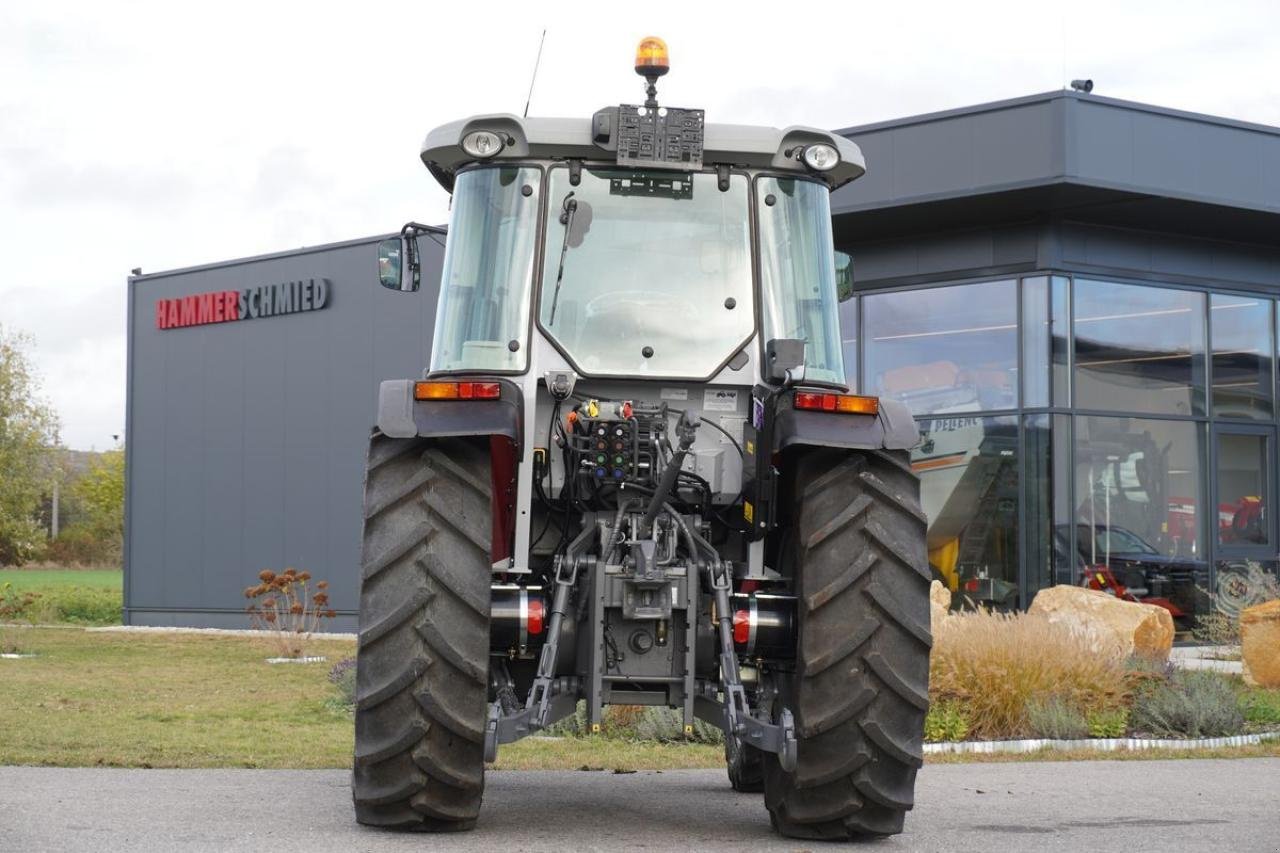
x=633 y=473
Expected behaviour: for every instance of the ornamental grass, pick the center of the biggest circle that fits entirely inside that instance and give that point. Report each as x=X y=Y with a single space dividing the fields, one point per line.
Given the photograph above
x=1003 y=668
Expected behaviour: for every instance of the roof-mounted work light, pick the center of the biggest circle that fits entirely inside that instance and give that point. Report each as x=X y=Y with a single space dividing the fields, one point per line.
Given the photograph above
x=821 y=157
x=482 y=144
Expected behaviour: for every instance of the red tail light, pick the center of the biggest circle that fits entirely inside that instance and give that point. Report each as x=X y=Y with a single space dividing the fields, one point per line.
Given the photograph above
x=819 y=401
x=457 y=390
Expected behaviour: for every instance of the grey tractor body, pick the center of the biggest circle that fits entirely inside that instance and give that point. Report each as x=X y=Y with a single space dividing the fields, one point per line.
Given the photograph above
x=633 y=474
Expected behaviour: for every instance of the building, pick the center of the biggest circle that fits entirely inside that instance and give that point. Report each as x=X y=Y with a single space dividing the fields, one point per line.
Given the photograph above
x=1075 y=295
x=246 y=438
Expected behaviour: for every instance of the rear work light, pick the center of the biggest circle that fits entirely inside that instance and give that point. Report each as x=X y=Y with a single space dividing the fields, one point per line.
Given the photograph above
x=820 y=401
x=456 y=390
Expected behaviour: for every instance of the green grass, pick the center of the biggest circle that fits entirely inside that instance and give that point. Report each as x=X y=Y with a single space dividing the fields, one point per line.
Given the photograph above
x=124 y=700
x=75 y=596
x=38 y=580
x=1261 y=707
x=179 y=700
x=1269 y=749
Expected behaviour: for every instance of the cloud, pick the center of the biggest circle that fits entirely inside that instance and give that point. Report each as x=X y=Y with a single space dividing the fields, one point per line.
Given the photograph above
x=43 y=181
x=160 y=135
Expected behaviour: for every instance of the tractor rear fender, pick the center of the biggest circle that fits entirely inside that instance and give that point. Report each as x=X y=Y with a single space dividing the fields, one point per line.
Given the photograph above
x=401 y=416
x=892 y=428
x=500 y=420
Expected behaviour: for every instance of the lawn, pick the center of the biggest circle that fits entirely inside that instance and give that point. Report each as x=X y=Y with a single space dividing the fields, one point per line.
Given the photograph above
x=77 y=596
x=183 y=700
x=38 y=580
x=180 y=700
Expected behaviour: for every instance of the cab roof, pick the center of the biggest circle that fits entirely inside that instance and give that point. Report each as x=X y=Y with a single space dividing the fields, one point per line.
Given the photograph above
x=571 y=139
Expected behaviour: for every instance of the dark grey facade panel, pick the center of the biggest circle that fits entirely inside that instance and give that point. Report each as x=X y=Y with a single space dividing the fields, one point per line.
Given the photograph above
x=979 y=251
x=1174 y=155
x=1066 y=137
x=958 y=154
x=1086 y=247
x=1067 y=246
x=247 y=438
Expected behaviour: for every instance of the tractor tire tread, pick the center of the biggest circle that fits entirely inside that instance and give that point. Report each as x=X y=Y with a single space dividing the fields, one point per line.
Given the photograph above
x=422 y=666
x=860 y=689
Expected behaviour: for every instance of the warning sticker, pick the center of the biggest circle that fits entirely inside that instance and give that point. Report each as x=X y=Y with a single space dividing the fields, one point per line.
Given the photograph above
x=675 y=393
x=720 y=400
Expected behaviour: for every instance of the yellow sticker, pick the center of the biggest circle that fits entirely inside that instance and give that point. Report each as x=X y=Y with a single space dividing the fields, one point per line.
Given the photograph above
x=748 y=511
x=751 y=447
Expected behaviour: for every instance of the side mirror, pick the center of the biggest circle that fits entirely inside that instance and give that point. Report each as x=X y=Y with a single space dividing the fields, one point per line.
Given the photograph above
x=844 y=277
x=397 y=269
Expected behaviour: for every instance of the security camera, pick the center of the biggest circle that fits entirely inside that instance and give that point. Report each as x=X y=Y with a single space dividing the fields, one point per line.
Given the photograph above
x=1085 y=86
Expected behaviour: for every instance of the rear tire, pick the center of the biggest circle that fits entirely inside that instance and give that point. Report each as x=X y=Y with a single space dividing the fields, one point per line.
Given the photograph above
x=746 y=770
x=423 y=658
x=860 y=689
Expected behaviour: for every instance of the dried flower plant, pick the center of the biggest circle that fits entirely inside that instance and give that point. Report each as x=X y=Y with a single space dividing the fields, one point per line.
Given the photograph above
x=286 y=611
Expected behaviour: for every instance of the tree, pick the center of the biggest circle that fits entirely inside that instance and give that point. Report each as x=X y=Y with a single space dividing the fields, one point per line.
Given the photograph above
x=99 y=492
x=28 y=433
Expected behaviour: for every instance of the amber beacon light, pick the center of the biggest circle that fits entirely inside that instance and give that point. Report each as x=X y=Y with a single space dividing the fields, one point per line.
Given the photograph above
x=651 y=57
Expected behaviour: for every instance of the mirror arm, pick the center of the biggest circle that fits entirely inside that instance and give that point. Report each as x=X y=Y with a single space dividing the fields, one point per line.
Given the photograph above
x=409 y=234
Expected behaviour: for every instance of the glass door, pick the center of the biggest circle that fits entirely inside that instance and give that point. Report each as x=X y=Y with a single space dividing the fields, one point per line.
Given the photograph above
x=1244 y=527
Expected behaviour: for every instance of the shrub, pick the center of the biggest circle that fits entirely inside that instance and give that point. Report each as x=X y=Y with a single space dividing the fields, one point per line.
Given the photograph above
x=284 y=610
x=81 y=605
x=81 y=546
x=1192 y=703
x=946 y=721
x=14 y=605
x=1261 y=707
x=666 y=725
x=343 y=677
x=1057 y=719
x=997 y=665
x=1108 y=723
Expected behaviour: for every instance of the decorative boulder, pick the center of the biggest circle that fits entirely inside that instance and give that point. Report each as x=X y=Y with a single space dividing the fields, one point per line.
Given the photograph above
x=1260 y=644
x=939 y=605
x=1140 y=629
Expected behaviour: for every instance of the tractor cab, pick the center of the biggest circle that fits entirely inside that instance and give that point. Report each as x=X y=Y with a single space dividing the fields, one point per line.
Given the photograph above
x=641 y=242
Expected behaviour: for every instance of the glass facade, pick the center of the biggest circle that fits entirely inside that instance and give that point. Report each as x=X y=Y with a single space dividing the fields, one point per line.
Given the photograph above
x=1082 y=431
x=1139 y=348
x=944 y=350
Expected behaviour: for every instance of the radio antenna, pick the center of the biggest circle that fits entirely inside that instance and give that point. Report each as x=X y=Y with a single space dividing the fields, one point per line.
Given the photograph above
x=534 y=78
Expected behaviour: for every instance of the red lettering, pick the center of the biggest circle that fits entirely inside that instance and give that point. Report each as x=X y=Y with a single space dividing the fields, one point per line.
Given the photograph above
x=160 y=313
x=173 y=313
x=219 y=307
x=232 y=300
x=204 y=312
x=188 y=310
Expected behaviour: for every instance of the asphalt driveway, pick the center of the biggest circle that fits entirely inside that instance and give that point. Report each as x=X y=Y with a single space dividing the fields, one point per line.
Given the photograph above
x=1127 y=806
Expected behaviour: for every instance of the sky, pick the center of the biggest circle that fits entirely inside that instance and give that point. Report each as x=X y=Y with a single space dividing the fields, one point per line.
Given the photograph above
x=163 y=135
